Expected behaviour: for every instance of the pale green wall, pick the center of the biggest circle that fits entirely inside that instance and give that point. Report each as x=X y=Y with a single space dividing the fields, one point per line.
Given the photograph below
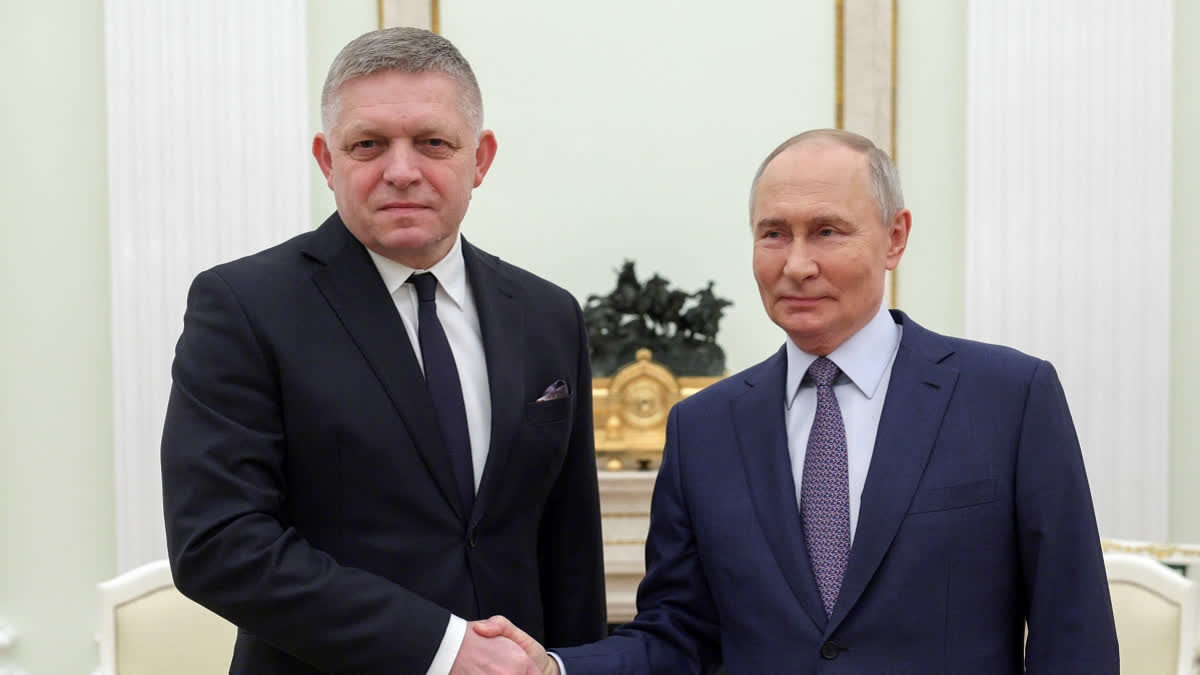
x=57 y=534
x=1184 y=493
x=931 y=127
x=632 y=129
x=331 y=24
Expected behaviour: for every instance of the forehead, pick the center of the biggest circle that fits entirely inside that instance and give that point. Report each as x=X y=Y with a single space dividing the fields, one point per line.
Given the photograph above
x=814 y=175
x=391 y=97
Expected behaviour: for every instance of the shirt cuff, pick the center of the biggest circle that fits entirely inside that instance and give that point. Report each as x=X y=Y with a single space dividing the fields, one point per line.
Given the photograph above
x=443 y=660
x=562 y=670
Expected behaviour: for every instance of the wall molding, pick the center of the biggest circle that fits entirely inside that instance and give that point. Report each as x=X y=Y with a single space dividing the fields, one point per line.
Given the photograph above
x=417 y=13
x=865 y=45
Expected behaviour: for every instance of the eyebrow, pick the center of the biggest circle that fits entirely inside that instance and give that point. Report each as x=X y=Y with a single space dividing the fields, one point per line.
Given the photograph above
x=360 y=127
x=770 y=222
x=828 y=219
x=371 y=129
x=821 y=220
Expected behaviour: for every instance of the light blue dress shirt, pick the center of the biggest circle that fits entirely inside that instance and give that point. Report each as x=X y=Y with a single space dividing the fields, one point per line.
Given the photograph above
x=866 y=363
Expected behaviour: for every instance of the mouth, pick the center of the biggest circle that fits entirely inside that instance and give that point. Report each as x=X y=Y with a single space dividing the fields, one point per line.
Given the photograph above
x=402 y=206
x=801 y=301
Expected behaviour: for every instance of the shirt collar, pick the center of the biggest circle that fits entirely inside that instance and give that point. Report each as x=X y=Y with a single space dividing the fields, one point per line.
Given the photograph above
x=451 y=272
x=863 y=358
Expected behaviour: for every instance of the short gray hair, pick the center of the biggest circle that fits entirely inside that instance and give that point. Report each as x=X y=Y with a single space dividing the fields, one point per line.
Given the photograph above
x=405 y=50
x=885 y=180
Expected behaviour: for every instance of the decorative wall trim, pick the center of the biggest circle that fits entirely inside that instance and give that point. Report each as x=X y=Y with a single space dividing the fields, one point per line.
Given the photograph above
x=208 y=160
x=1068 y=230
x=865 y=42
x=866 y=69
x=419 y=13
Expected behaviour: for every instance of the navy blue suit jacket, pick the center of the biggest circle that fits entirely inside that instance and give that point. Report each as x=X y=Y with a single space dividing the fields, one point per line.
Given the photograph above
x=975 y=517
x=307 y=495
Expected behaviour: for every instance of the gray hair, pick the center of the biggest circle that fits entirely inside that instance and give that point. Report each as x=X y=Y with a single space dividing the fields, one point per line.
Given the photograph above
x=405 y=50
x=885 y=180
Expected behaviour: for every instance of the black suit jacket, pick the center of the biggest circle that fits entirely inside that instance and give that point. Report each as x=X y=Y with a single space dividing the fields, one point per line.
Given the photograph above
x=307 y=495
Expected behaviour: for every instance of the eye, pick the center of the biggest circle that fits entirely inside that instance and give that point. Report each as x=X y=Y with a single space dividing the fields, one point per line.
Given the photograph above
x=826 y=231
x=365 y=148
x=437 y=147
x=774 y=237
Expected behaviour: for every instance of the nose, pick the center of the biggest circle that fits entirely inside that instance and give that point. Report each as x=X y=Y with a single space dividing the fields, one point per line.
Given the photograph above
x=800 y=263
x=401 y=168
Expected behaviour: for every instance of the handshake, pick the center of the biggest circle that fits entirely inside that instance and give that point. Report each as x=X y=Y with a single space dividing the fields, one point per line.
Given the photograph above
x=496 y=647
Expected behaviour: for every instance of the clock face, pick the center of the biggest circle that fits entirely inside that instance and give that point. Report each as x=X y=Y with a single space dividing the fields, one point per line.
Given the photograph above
x=644 y=402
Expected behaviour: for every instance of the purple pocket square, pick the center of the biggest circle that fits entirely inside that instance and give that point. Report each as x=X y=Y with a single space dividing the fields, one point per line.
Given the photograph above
x=555 y=391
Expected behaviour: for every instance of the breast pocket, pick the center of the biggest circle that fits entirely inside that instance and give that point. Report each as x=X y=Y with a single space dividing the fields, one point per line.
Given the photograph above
x=956 y=496
x=539 y=413
x=544 y=436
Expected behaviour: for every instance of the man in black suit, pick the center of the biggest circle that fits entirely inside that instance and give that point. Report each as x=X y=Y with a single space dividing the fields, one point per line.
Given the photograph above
x=378 y=432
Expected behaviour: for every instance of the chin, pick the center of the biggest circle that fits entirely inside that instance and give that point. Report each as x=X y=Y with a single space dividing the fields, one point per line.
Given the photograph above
x=409 y=238
x=807 y=334
x=804 y=323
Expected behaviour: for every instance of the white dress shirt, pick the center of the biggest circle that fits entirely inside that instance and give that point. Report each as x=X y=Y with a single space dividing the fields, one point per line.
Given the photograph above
x=866 y=363
x=459 y=318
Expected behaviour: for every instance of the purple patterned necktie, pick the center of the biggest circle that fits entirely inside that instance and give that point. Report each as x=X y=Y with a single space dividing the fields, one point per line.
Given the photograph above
x=825 y=488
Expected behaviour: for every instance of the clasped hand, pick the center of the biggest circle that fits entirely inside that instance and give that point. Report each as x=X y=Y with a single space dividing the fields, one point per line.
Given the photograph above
x=496 y=647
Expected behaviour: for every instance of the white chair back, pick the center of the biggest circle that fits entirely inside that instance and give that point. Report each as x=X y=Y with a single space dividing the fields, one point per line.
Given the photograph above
x=147 y=627
x=1155 y=610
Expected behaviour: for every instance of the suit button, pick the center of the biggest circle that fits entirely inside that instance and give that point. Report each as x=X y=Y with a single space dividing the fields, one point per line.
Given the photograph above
x=830 y=650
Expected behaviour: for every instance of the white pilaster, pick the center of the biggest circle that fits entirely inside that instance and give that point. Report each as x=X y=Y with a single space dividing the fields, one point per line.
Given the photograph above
x=208 y=161
x=1069 y=221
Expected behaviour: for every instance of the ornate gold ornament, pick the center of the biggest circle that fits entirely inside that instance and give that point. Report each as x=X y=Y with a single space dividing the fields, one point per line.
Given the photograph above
x=630 y=410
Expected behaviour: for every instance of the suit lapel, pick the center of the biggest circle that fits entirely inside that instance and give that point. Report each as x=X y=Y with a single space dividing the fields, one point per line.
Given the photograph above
x=917 y=396
x=762 y=438
x=353 y=288
x=502 y=321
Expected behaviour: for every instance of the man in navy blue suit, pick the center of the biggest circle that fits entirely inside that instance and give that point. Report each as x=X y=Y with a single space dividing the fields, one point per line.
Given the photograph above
x=874 y=497
x=377 y=431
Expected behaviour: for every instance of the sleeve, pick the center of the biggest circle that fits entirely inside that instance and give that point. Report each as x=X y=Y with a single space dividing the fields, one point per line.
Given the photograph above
x=1070 y=618
x=570 y=544
x=677 y=628
x=443 y=660
x=225 y=488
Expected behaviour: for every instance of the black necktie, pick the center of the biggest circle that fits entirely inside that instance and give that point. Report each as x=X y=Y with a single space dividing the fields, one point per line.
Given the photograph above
x=441 y=379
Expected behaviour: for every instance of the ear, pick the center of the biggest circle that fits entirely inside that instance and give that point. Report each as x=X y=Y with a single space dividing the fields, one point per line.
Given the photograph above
x=485 y=152
x=898 y=231
x=320 y=150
